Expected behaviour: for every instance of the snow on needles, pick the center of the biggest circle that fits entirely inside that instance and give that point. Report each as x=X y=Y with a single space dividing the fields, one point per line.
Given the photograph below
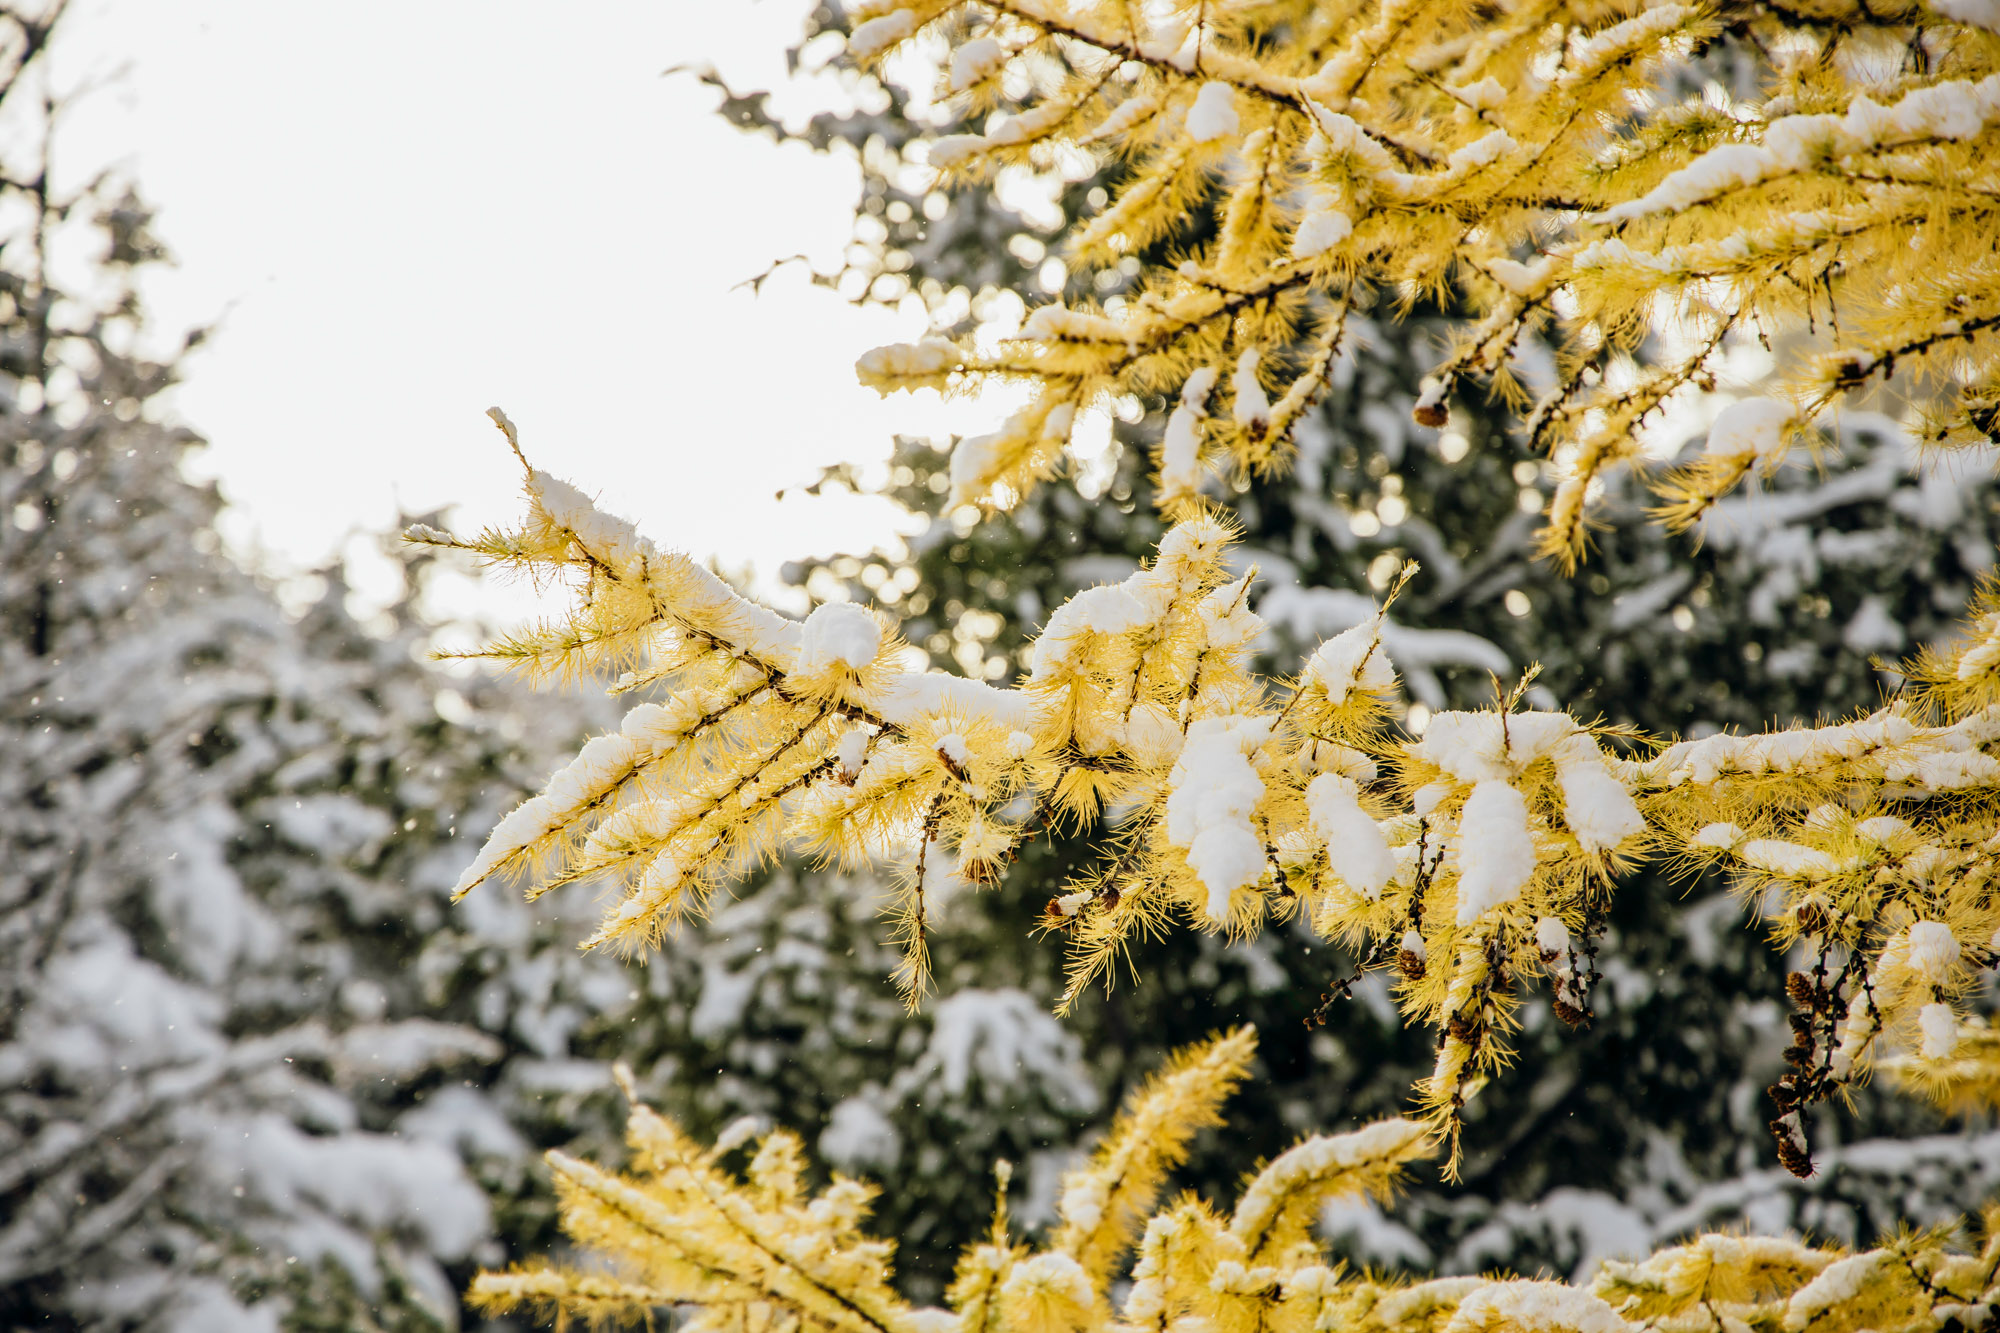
x=1213 y=789
x=1252 y=409
x=1353 y=659
x=1495 y=847
x=1496 y=842
x=1323 y=1168
x=1355 y=847
x=1534 y=1306
x=1596 y=805
x=1940 y=1031
x=1933 y=950
x=1323 y=226
x=613 y=541
x=1180 y=449
x=1955 y=109
x=975 y=62
x=1213 y=115
x=877 y=35
x=839 y=633
x=1749 y=428
x=1480 y=747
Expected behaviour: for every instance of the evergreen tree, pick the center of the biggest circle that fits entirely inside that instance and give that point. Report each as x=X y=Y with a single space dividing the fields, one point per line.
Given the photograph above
x=254 y=1070
x=175 y=1130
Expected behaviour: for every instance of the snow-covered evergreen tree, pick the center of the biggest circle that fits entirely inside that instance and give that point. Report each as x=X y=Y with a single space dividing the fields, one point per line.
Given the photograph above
x=176 y=1131
x=254 y=1071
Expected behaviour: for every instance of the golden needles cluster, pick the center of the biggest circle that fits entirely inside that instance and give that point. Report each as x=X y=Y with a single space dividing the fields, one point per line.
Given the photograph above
x=1467 y=862
x=1553 y=164
x=758 y=1252
x=1873 y=846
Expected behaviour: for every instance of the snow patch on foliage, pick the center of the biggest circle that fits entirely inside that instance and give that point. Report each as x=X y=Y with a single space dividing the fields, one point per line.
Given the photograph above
x=1180 y=448
x=1534 y=1306
x=1353 y=659
x=839 y=633
x=1749 y=428
x=1495 y=849
x=975 y=62
x=1356 y=851
x=1955 y=109
x=1324 y=226
x=1213 y=115
x=1933 y=950
x=1212 y=791
x=1939 y=1027
x=1252 y=409
x=872 y=38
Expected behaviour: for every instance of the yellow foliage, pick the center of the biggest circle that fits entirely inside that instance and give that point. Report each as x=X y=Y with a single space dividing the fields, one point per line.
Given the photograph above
x=1529 y=157
x=1527 y=154
x=680 y=1233
x=1104 y=1202
x=1469 y=860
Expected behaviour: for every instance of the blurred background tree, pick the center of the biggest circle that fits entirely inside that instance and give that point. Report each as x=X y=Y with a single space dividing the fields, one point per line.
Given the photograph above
x=253 y=1071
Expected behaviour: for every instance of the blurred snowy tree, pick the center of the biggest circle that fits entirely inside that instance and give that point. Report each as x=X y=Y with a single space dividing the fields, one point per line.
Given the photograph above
x=253 y=1072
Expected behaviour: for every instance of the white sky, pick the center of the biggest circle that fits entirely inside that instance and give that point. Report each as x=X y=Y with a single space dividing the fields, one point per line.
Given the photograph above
x=405 y=212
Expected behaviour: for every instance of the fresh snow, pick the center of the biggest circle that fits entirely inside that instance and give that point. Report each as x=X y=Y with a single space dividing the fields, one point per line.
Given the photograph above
x=1180 y=448
x=877 y=35
x=1481 y=152
x=1353 y=659
x=1839 y=1282
x=614 y=541
x=975 y=62
x=1596 y=805
x=1939 y=1027
x=1719 y=837
x=1128 y=114
x=1488 y=94
x=1788 y=859
x=909 y=696
x=1252 y=409
x=1213 y=115
x=932 y=356
x=1495 y=849
x=1536 y=1307
x=852 y=751
x=1110 y=609
x=1356 y=851
x=1522 y=280
x=1933 y=950
x=1551 y=937
x=1319 y=1164
x=1323 y=226
x=1749 y=428
x=839 y=633
x=1955 y=109
x=1212 y=791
